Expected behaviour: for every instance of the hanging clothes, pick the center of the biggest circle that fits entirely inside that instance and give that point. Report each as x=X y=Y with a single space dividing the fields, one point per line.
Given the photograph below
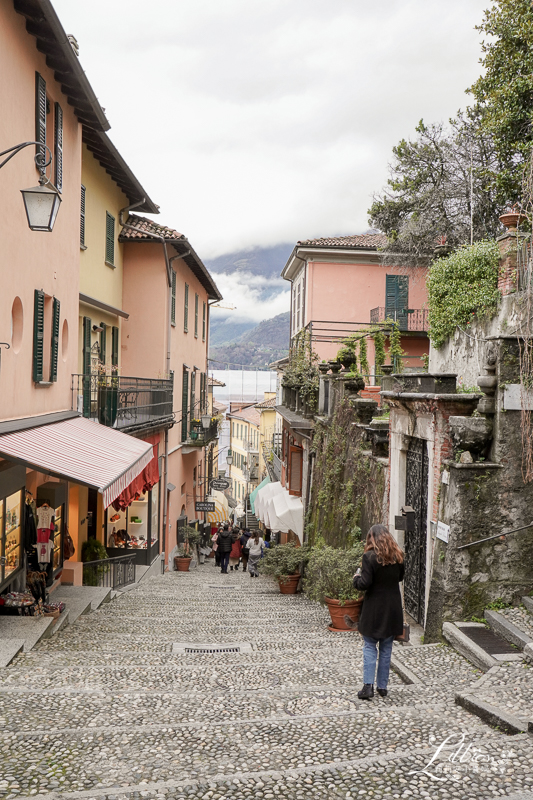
x=30 y=529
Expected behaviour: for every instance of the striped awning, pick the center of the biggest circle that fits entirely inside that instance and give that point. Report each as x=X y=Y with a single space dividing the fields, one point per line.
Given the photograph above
x=81 y=451
x=221 y=512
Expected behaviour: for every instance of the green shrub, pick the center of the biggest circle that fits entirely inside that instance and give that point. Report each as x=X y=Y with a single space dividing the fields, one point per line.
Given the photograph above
x=461 y=286
x=93 y=550
x=330 y=571
x=283 y=560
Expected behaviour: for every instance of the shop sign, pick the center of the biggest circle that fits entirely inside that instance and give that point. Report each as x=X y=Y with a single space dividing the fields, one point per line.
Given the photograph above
x=443 y=532
x=219 y=484
x=204 y=505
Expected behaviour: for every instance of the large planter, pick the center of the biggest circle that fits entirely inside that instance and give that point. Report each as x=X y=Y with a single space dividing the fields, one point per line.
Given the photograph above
x=288 y=584
x=181 y=563
x=471 y=433
x=337 y=611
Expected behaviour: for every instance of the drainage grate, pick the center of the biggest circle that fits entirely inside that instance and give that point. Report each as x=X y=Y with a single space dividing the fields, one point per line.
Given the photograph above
x=199 y=648
x=489 y=641
x=214 y=650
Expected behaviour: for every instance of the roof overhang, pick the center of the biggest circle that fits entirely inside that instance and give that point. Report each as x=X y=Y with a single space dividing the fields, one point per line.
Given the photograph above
x=43 y=23
x=303 y=253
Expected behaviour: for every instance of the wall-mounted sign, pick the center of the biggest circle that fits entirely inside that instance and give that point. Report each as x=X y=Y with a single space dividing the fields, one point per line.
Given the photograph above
x=514 y=398
x=443 y=532
x=204 y=505
x=219 y=484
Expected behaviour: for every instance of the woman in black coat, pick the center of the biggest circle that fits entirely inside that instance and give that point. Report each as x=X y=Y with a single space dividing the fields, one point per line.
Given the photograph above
x=225 y=543
x=381 y=617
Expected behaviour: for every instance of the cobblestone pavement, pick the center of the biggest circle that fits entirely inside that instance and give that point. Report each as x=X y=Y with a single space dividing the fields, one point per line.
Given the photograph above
x=105 y=710
x=520 y=617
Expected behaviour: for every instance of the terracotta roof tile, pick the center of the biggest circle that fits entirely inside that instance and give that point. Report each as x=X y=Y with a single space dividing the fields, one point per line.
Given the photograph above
x=366 y=240
x=147 y=228
x=270 y=403
x=248 y=414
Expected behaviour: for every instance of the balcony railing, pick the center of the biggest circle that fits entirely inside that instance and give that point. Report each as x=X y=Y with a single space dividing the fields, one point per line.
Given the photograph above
x=250 y=447
x=272 y=457
x=408 y=319
x=123 y=403
x=199 y=436
x=110 y=572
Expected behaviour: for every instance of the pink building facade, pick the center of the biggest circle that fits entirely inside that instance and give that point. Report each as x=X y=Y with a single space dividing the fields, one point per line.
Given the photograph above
x=339 y=287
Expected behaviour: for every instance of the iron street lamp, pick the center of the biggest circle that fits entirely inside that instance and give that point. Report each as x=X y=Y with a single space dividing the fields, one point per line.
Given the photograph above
x=206 y=421
x=229 y=458
x=40 y=202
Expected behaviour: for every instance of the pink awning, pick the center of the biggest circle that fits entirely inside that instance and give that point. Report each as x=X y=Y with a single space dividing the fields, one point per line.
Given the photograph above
x=81 y=451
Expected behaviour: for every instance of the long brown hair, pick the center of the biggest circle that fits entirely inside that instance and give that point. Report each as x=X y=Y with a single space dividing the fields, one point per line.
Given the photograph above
x=382 y=543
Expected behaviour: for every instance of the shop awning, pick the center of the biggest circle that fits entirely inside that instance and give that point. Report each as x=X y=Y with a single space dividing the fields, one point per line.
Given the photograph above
x=82 y=451
x=221 y=512
x=279 y=510
x=253 y=494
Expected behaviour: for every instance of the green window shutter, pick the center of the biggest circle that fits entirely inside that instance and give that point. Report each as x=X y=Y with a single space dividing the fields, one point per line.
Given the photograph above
x=184 y=401
x=193 y=394
x=82 y=216
x=103 y=342
x=173 y=304
x=58 y=148
x=204 y=320
x=196 y=315
x=397 y=298
x=86 y=366
x=40 y=116
x=186 y=310
x=109 y=239
x=38 y=335
x=114 y=346
x=55 y=340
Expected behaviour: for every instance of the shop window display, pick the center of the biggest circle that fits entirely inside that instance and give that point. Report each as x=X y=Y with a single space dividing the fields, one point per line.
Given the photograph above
x=128 y=529
x=11 y=531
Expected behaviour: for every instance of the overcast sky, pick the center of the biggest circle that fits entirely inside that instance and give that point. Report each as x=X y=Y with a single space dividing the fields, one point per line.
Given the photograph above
x=254 y=122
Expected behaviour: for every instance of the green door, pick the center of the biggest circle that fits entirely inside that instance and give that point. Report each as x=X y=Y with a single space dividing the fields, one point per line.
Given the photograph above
x=397 y=299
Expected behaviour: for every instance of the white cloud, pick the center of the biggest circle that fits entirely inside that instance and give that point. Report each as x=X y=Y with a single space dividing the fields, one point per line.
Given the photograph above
x=247 y=293
x=253 y=123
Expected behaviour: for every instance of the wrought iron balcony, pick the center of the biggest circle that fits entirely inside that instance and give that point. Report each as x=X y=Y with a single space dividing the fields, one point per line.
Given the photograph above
x=407 y=319
x=198 y=436
x=123 y=403
x=250 y=447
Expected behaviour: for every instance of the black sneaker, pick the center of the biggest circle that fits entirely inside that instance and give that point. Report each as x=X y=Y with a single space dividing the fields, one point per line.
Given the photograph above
x=367 y=692
x=382 y=692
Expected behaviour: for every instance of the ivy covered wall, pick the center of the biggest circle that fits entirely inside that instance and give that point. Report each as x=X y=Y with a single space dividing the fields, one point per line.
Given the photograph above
x=348 y=482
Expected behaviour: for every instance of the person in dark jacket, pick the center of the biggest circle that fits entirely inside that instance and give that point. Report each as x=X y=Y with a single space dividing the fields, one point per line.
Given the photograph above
x=225 y=543
x=244 y=541
x=381 y=617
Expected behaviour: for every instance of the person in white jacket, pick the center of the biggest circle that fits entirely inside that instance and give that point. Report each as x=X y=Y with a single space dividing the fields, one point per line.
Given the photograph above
x=255 y=551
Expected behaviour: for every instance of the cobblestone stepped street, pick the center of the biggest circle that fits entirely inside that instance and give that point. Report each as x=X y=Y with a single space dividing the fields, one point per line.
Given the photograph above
x=105 y=710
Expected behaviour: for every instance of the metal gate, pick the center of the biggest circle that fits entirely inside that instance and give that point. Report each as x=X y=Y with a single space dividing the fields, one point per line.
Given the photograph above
x=416 y=496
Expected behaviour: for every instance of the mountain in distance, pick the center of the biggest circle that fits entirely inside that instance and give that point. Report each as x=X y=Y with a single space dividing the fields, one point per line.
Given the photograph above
x=226 y=331
x=255 y=348
x=266 y=261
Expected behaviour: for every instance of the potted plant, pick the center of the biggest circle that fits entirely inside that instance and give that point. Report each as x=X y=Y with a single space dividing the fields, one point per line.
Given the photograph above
x=323 y=367
x=329 y=580
x=187 y=548
x=283 y=563
x=335 y=366
x=347 y=356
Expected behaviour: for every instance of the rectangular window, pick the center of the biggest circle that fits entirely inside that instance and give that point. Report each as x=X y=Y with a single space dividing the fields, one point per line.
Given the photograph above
x=196 y=316
x=40 y=115
x=295 y=470
x=114 y=348
x=58 y=147
x=193 y=395
x=86 y=358
x=82 y=216
x=186 y=309
x=109 y=239
x=184 y=401
x=38 y=336
x=55 y=341
x=173 y=301
x=103 y=343
x=397 y=299
x=204 y=322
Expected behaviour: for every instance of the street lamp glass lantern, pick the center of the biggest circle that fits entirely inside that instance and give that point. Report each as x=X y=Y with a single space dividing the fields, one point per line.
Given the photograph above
x=41 y=204
x=229 y=458
x=206 y=421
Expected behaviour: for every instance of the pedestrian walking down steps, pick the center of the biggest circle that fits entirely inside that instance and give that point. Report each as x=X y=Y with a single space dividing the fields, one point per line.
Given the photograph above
x=225 y=543
x=236 y=550
x=381 y=618
x=255 y=547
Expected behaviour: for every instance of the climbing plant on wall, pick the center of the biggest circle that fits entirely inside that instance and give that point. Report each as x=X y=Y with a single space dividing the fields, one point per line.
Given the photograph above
x=348 y=484
x=302 y=373
x=460 y=287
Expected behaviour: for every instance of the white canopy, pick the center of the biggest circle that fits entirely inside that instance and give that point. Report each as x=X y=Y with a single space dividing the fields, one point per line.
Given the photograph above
x=279 y=510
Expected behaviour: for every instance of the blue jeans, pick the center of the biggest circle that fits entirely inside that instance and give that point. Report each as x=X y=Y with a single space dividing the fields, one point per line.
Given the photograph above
x=224 y=561
x=370 y=653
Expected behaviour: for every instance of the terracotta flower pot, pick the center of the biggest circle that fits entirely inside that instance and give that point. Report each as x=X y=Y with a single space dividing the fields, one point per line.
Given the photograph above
x=337 y=611
x=182 y=563
x=288 y=584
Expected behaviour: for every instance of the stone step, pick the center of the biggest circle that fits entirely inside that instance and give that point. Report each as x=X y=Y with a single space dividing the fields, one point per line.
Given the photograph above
x=276 y=771
x=460 y=636
x=507 y=629
x=28 y=629
x=502 y=697
x=528 y=603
